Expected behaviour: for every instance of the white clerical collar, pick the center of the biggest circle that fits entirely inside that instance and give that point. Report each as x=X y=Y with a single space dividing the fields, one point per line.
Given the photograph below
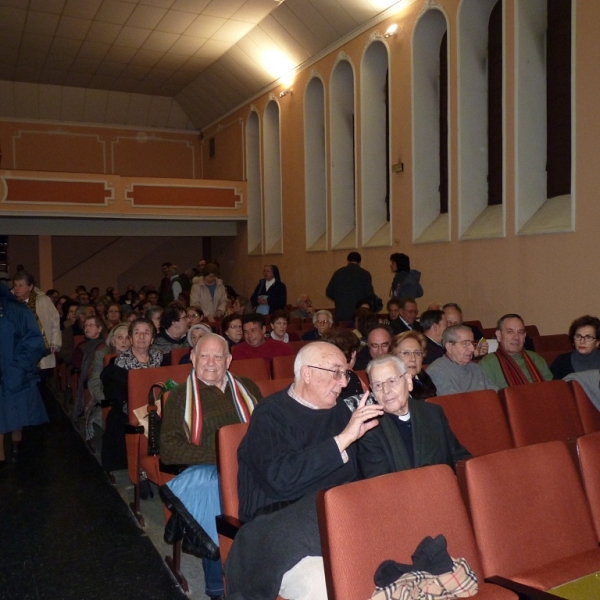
x=405 y=417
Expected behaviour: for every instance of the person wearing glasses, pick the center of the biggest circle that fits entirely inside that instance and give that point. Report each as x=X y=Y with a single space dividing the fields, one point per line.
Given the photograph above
x=434 y=324
x=410 y=348
x=299 y=441
x=411 y=433
x=379 y=340
x=455 y=373
x=584 y=334
x=511 y=364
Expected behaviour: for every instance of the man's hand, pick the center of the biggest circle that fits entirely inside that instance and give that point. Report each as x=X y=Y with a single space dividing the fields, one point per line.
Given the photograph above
x=363 y=419
x=482 y=348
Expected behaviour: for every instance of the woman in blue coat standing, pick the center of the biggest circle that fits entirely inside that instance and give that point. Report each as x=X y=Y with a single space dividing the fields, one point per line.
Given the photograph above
x=21 y=348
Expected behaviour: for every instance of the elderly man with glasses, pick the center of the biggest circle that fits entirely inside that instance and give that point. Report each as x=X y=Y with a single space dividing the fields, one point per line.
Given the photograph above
x=300 y=441
x=379 y=340
x=411 y=433
x=454 y=373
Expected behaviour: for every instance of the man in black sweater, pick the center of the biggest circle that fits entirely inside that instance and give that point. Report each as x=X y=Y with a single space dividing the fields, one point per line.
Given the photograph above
x=299 y=442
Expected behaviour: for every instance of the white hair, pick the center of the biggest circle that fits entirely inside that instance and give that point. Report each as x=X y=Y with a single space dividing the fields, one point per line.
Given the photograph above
x=382 y=360
x=322 y=312
x=212 y=336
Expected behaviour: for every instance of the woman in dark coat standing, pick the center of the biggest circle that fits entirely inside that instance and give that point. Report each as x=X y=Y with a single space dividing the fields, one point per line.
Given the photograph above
x=406 y=283
x=21 y=348
x=270 y=293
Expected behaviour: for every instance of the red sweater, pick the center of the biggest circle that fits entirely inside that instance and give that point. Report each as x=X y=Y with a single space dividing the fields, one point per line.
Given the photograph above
x=268 y=351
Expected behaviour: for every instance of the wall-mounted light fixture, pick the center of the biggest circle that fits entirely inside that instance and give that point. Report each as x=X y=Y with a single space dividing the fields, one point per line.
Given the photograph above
x=391 y=30
x=285 y=92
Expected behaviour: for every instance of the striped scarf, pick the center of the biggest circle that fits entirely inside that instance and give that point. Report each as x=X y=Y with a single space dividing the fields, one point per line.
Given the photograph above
x=193 y=405
x=511 y=370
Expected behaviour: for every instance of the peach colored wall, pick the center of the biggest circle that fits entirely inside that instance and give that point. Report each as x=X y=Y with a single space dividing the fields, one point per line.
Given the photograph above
x=228 y=162
x=549 y=279
x=123 y=151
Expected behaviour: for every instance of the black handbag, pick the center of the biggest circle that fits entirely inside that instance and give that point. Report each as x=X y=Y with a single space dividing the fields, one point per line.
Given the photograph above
x=154 y=419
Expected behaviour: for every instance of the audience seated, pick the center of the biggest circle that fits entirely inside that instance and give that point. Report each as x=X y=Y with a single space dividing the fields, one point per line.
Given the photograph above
x=279 y=323
x=241 y=306
x=256 y=344
x=410 y=348
x=454 y=316
x=379 y=340
x=410 y=433
x=194 y=314
x=231 y=326
x=114 y=315
x=585 y=337
x=511 y=364
x=195 y=333
x=173 y=330
x=433 y=323
x=454 y=373
x=407 y=316
x=154 y=314
x=322 y=321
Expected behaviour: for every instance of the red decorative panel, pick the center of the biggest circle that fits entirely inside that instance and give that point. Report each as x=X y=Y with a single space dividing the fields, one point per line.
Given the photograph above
x=57 y=192
x=184 y=197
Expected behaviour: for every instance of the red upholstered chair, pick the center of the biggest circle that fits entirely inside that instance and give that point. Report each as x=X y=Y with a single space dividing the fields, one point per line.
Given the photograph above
x=177 y=354
x=540 y=412
x=474 y=323
x=550 y=355
x=253 y=368
x=530 y=515
x=366 y=522
x=363 y=377
x=283 y=367
x=270 y=386
x=106 y=409
x=139 y=382
x=295 y=346
x=477 y=420
x=588 y=449
x=588 y=413
x=489 y=333
x=532 y=330
x=559 y=342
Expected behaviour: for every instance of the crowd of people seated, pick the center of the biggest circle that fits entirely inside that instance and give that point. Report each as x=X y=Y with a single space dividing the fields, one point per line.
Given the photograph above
x=332 y=425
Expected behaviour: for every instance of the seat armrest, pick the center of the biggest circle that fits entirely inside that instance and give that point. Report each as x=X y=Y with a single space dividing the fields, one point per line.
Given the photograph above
x=525 y=592
x=228 y=526
x=134 y=429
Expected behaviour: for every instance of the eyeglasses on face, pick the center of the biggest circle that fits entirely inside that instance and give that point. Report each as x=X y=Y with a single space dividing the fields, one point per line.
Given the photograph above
x=392 y=382
x=465 y=343
x=383 y=346
x=583 y=338
x=191 y=315
x=337 y=373
x=411 y=353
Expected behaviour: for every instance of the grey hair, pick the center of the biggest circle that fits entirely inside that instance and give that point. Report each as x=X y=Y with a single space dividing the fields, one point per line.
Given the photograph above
x=382 y=360
x=322 y=312
x=212 y=336
x=202 y=326
x=450 y=334
x=110 y=338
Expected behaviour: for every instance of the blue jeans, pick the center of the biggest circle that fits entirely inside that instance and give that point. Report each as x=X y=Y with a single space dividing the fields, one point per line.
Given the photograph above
x=213 y=577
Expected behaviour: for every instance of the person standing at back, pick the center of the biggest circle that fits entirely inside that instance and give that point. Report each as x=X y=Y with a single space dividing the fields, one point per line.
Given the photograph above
x=406 y=283
x=348 y=285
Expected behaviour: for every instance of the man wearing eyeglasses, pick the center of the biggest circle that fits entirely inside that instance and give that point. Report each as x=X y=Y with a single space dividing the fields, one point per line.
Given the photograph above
x=455 y=373
x=434 y=324
x=300 y=441
x=379 y=340
x=511 y=364
x=411 y=433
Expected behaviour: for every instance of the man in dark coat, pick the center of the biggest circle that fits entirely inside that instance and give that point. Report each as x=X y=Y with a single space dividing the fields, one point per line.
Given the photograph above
x=347 y=286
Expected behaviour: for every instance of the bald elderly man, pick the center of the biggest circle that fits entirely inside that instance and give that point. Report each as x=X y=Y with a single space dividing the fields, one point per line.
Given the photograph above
x=300 y=441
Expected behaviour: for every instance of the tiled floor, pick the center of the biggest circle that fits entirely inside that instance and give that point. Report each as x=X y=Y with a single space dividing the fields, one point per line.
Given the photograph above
x=65 y=532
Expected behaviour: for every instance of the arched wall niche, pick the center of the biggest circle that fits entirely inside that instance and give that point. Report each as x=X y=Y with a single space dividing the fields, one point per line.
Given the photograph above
x=430 y=223
x=272 y=179
x=315 y=165
x=343 y=153
x=376 y=190
x=253 y=174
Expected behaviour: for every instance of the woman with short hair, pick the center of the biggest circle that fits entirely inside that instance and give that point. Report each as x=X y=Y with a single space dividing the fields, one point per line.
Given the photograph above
x=410 y=348
x=209 y=293
x=584 y=334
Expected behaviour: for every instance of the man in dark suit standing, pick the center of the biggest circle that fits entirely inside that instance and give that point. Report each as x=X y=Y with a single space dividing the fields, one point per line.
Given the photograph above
x=348 y=285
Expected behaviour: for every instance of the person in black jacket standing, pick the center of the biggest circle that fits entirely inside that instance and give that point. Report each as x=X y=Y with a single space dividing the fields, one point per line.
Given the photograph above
x=270 y=293
x=347 y=286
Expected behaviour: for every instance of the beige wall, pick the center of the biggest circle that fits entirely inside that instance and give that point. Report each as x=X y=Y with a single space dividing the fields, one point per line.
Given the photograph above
x=547 y=278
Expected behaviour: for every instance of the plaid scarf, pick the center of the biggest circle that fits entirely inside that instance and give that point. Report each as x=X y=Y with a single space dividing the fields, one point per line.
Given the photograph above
x=461 y=582
x=511 y=370
x=193 y=405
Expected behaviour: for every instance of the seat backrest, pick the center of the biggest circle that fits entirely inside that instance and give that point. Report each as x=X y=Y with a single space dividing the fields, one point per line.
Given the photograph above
x=296 y=345
x=227 y=442
x=541 y=412
x=477 y=420
x=531 y=330
x=528 y=508
x=559 y=341
x=270 y=386
x=77 y=340
x=177 y=354
x=588 y=449
x=489 y=333
x=366 y=522
x=108 y=358
x=588 y=413
x=253 y=368
x=550 y=355
x=474 y=323
x=140 y=380
x=283 y=367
